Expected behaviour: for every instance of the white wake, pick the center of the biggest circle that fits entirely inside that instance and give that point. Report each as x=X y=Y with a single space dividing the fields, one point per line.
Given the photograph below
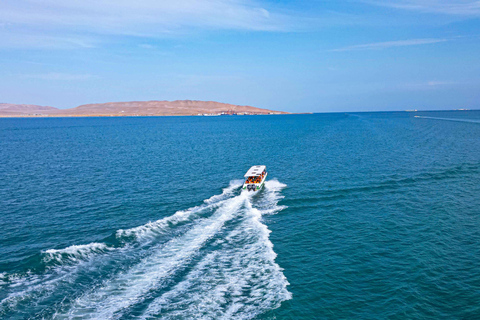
x=222 y=266
x=238 y=281
x=449 y=119
x=130 y=287
x=63 y=265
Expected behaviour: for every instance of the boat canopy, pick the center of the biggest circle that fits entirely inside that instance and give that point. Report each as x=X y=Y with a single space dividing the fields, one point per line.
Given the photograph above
x=255 y=171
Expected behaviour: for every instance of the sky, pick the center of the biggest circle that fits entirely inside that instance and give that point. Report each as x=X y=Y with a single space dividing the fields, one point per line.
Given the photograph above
x=296 y=56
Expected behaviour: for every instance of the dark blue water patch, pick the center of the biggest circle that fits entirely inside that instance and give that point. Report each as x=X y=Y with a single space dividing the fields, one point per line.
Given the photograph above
x=380 y=219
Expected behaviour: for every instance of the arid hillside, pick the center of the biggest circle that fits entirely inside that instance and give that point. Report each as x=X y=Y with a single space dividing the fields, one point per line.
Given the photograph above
x=134 y=108
x=9 y=109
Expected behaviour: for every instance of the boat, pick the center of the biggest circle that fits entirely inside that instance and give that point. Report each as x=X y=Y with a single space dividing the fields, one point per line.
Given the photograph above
x=255 y=178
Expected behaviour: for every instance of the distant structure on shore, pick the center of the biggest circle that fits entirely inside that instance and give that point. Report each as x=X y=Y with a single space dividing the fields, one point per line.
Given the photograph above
x=135 y=108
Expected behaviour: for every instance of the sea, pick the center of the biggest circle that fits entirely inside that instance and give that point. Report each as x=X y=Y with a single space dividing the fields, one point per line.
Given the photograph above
x=363 y=216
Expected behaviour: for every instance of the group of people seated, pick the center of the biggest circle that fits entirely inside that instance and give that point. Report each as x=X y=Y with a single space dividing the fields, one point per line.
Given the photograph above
x=255 y=179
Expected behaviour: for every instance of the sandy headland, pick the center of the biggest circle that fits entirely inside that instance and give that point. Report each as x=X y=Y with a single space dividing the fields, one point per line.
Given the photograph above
x=135 y=108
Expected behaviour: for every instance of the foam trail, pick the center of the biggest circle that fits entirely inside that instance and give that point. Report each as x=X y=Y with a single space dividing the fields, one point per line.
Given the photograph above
x=239 y=281
x=32 y=286
x=269 y=205
x=234 y=184
x=75 y=253
x=274 y=185
x=152 y=229
x=64 y=264
x=450 y=119
x=130 y=287
x=3 y=277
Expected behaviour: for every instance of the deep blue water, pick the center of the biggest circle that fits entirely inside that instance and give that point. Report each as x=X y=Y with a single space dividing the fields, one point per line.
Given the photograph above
x=364 y=216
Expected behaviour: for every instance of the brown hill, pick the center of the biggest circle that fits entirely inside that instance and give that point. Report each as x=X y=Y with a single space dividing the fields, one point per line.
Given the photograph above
x=10 y=109
x=136 y=108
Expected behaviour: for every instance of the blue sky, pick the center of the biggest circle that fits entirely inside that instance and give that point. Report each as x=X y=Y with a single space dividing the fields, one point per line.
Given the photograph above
x=298 y=56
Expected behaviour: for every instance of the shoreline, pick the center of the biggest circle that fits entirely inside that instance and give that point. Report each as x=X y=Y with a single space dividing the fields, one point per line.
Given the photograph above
x=223 y=115
x=140 y=115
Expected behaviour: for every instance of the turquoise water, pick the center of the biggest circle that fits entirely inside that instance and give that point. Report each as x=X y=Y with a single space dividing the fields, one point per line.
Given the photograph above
x=364 y=216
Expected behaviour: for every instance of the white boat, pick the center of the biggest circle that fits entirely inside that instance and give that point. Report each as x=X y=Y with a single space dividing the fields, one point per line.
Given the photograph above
x=255 y=178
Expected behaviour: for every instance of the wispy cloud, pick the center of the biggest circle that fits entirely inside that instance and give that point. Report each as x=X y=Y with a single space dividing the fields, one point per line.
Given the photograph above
x=21 y=38
x=390 y=44
x=143 y=18
x=436 y=83
x=59 y=76
x=429 y=85
x=450 y=7
x=199 y=79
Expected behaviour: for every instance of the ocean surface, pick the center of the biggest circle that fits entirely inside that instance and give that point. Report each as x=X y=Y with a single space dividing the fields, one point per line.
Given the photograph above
x=364 y=216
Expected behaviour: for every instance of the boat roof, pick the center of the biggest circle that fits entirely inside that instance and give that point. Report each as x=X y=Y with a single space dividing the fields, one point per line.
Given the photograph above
x=255 y=171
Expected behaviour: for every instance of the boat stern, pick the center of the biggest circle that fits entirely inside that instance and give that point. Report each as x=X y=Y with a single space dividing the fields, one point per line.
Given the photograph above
x=251 y=187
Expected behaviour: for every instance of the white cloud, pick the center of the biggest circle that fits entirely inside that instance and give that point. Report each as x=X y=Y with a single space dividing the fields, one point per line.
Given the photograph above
x=146 y=46
x=22 y=39
x=428 y=85
x=436 y=83
x=140 y=18
x=59 y=76
x=390 y=44
x=450 y=7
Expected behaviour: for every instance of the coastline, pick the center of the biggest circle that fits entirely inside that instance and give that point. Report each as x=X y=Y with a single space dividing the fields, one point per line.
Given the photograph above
x=153 y=108
x=139 y=115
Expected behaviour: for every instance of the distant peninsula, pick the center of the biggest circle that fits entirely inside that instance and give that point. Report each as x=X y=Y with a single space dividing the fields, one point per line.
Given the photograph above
x=135 y=108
